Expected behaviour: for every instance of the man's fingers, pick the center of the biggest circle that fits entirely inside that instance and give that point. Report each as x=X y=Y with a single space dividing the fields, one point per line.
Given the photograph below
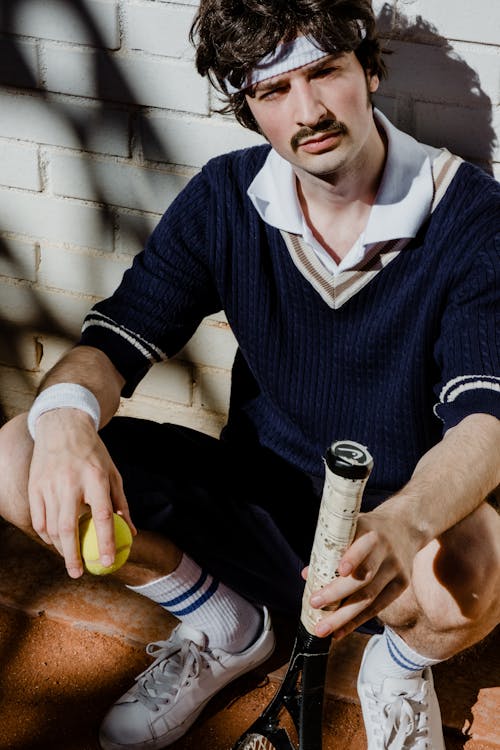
x=356 y=611
x=37 y=512
x=53 y=530
x=357 y=557
x=97 y=495
x=62 y=522
x=119 y=500
x=71 y=468
x=336 y=592
x=70 y=545
x=369 y=561
x=51 y=505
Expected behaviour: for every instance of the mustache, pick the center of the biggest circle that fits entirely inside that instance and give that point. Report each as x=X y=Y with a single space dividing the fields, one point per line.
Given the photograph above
x=324 y=127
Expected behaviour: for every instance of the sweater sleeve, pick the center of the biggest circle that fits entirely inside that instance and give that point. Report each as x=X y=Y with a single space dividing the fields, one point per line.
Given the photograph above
x=468 y=349
x=165 y=294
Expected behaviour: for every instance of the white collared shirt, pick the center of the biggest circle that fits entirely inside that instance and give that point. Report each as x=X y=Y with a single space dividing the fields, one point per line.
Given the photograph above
x=402 y=204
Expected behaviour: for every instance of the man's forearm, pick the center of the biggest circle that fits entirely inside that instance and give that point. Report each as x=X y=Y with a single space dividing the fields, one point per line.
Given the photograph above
x=452 y=479
x=92 y=369
x=449 y=483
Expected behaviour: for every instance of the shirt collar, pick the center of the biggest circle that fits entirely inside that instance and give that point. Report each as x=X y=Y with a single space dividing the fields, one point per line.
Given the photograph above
x=402 y=204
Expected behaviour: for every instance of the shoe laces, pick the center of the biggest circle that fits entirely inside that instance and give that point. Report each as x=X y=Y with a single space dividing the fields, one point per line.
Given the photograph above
x=405 y=722
x=178 y=661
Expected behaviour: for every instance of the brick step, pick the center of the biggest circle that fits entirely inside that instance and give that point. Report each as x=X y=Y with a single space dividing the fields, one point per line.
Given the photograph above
x=468 y=686
x=34 y=581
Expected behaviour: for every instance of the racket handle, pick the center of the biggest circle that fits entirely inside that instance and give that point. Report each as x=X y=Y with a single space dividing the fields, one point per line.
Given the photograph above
x=347 y=468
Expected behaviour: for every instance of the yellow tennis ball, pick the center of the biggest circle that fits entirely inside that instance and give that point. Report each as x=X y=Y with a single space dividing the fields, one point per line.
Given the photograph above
x=89 y=547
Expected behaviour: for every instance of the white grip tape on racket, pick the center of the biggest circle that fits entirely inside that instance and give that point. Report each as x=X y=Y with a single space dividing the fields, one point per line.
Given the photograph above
x=335 y=530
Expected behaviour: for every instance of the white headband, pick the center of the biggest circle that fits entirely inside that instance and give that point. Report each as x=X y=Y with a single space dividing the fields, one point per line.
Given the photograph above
x=288 y=56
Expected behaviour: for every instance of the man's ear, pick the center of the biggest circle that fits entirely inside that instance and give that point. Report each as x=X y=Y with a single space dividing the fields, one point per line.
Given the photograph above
x=373 y=83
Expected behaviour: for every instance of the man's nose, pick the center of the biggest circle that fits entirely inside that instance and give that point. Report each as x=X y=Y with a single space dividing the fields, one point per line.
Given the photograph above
x=309 y=108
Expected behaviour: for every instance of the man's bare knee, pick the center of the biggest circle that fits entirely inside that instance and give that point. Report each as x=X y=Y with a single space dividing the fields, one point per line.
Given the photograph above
x=456 y=577
x=452 y=600
x=16 y=449
x=468 y=563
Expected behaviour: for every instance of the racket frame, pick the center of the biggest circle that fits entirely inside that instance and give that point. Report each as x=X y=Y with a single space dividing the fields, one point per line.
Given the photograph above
x=301 y=692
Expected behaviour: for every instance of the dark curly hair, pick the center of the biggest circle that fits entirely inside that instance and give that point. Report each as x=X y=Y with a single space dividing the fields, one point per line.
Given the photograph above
x=231 y=36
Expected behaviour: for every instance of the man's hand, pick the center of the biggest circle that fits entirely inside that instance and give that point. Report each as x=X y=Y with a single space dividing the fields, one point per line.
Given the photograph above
x=450 y=481
x=374 y=571
x=71 y=468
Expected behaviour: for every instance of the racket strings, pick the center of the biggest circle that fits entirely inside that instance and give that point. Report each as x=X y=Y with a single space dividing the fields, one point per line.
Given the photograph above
x=280 y=734
x=257 y=742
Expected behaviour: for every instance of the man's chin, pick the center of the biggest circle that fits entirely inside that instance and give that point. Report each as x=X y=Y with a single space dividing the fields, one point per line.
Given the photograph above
x=323 y=168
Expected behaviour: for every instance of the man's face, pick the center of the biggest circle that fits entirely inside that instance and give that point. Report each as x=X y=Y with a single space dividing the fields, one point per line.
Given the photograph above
x=318 y=117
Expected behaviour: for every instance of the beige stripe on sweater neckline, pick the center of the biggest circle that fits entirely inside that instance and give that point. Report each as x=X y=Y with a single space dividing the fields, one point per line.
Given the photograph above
x=336 y=290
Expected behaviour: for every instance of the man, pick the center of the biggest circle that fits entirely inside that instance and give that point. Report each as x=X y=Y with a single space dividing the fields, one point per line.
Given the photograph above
x=357 y=270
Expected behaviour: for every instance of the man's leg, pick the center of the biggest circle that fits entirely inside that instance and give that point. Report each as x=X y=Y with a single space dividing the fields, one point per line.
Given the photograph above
x=16 y=449
x=199 y=492
x=152 y=555
x=453 y=601
x=183 y=484
x=153 y=569
x=230 y=513
x=225 y=508
x=451 y=604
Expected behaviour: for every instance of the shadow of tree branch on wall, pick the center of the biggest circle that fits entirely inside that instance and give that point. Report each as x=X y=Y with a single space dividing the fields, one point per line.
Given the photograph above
x=111 y=110
x=431 y=92
x=16 y=330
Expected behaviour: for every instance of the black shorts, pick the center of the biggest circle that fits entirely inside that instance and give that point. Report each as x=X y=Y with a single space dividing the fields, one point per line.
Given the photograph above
x=245 y=515
x=248 y=518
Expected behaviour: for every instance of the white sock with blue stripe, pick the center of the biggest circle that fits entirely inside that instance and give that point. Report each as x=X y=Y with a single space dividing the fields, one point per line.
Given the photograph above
x=193 y=596
x=392 y=657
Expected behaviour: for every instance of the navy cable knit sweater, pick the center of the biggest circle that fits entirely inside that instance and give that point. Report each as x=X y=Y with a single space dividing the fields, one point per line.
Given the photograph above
x=423 y=331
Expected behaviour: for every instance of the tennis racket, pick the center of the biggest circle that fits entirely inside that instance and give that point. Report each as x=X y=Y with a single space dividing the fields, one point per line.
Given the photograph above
x=293 y=718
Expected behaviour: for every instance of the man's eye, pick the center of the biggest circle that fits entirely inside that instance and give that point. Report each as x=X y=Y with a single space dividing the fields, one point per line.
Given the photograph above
x=324 y=72
x=271 y=93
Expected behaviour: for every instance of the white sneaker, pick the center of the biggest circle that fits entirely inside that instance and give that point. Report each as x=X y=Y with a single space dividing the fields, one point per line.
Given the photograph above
x=403 y=714
x=169 y=695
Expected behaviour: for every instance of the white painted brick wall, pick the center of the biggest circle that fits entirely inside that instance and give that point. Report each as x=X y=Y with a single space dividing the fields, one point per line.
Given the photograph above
x=158 y=28
x=115 y=183
x=65 y=122
x=19 y=63
x=473 y=22
x=182 y=139
x=82 y=273
x=134 y=78
x=41 y=215
x=18 y=260
x=103 y=119
x=133 y=229
x=94 y=22
x=19 y=165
